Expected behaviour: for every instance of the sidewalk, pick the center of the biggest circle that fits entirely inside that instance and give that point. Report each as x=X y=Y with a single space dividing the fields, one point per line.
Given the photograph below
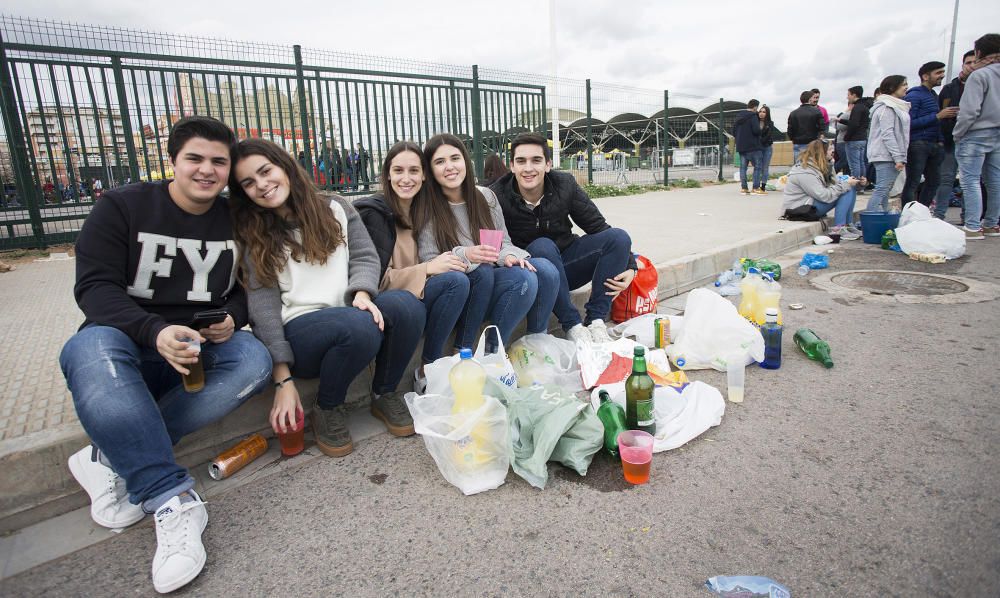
x=691 y=234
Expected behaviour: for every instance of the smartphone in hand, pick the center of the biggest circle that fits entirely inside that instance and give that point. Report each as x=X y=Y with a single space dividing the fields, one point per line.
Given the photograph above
x=204 y=319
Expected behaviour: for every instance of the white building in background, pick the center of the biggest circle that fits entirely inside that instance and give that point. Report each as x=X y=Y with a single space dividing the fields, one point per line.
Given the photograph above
x=82 y=138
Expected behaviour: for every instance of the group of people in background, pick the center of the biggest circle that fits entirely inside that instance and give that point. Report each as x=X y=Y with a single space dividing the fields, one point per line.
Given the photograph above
x=916 y=130
x=327 y=286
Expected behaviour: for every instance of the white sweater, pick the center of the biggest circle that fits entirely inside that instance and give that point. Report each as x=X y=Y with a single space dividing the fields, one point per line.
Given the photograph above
x=307 y=287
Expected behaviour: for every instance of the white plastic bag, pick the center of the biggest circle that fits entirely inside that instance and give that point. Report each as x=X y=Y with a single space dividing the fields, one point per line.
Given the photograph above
x=680 y=416
x=496 y=365
x=448 y=435
x=913 y=212
x=713 y=330
x=545 y=359
x=931 y=236
x=605 y=363
x=641 y=328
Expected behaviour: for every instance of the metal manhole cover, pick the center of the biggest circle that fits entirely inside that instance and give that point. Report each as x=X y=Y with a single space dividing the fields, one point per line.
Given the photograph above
x=899 y=283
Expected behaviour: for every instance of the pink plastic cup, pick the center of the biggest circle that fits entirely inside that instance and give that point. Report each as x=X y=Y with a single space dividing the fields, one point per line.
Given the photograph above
x=493 y=238
x=636 y=450
x=293 y=441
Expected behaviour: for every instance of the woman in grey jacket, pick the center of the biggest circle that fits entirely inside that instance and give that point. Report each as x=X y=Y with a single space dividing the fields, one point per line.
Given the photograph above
x=811 y=182
x=888 y=139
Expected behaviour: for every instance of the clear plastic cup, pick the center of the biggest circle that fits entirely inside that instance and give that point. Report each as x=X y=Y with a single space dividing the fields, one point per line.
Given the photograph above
x=636 y=450
x=735 y=377
x=293 y=441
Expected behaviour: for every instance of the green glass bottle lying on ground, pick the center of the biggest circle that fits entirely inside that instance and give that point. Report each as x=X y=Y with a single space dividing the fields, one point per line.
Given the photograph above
x=612 y=416
x=639 y=395
x=813 y=346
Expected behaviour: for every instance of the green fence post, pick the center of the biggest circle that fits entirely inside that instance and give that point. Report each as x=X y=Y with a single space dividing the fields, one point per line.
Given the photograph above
x=133 y=160
x=477 y=125
x=722 y=139
x=666 y=139
x=26 y=188
x=300 y=82
x=590 y=140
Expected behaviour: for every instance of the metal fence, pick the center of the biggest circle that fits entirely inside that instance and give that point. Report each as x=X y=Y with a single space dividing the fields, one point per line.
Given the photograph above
x=88 y=108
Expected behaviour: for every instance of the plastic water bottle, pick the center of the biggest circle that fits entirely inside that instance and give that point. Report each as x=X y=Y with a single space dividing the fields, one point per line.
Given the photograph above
x=803 y=270
x=467 y=379
x=726 y=283
x=749 y=288
x=771 y=331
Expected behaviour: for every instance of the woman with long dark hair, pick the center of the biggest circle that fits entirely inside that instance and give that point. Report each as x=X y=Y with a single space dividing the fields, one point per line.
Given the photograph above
x=767 y=142
x=493 y=169
x=811 y=182
x=888 y=138
x=393 y=218
x=503 y=281
x=312 y=279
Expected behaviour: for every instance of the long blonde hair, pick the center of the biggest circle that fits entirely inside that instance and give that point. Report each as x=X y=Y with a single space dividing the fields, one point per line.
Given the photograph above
x=815 y=156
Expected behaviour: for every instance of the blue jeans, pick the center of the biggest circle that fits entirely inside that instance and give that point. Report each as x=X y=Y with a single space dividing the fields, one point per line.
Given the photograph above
x=403 y=318
x=591 y=258
x=885 y=176
x=444 y=297
x=504 y=294
x=748 y=158
x=798 y=148
x=978 y=156
x=922 y=158
x=840 y=163
x=856 y=160
x=334 y=344
x=946 y=186
x=844 y=207
x=133 y=406
x=545 y=300
x=765 y=164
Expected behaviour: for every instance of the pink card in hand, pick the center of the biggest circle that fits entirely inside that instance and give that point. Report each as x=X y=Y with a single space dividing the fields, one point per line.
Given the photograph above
x=493 y=238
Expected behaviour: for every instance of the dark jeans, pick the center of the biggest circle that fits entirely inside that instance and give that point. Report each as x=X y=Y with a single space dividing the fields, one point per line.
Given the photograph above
x=336 y=343
x=134 y=408
x=503 y=294
x=754 y=158
x=765 y=164
x=922 y=158
x=591 y=258
x=840 y=163
x=444 y=297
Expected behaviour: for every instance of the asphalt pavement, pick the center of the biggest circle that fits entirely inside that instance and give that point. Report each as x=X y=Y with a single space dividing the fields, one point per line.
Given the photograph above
x=879 y=477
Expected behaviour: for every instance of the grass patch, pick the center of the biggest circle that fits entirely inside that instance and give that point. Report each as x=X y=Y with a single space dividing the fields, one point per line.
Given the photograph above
x=595 y=191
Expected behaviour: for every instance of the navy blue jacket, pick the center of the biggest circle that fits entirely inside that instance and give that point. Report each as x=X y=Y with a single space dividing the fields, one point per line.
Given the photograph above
x=924 y=124
x=951 y=95
x=746 y=130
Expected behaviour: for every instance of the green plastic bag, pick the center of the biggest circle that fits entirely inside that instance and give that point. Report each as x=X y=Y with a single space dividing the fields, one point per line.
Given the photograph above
x=548 y=423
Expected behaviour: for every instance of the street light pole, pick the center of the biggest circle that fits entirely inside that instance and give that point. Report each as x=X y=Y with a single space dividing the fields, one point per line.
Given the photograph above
x=553 y=59
x=951 y=48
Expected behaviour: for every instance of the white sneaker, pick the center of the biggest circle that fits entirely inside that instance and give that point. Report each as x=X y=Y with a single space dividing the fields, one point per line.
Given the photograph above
x=599 y=332
x=578 y=333
x=109 y=505
x=419 y=382
x=180 y=555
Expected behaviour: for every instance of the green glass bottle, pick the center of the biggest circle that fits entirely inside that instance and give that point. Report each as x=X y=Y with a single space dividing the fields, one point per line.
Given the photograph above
x=639 y=396
x=612 y=416
x=813 y=346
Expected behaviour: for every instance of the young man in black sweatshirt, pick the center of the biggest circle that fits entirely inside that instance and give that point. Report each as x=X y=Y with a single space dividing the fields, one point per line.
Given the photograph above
x=540 y=207
x=149 y=256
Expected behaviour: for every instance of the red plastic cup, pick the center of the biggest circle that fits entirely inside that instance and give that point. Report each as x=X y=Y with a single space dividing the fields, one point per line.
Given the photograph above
x=493 y=238
x=636 y=450
x=293 y=442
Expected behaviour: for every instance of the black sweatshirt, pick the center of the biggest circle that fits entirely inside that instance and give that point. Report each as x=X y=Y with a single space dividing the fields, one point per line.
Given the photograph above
x=137 y=257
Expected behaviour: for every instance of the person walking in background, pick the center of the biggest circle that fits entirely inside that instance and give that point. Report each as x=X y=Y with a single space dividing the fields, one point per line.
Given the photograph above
x=977 y=138
x=951 y=95
x=805 y=124
x=767 y=145
x=856 y=135
x=746 y=130
x=923 y=157
x=888 y=138
x=493 y=169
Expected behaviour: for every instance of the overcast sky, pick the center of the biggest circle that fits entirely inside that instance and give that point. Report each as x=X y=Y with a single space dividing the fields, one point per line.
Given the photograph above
x=770 y=50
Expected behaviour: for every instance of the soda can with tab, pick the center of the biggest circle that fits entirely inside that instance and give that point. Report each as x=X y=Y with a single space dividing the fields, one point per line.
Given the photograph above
x=237 y=457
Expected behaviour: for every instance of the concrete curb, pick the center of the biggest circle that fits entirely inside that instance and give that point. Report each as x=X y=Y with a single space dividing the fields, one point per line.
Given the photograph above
x=37 y=484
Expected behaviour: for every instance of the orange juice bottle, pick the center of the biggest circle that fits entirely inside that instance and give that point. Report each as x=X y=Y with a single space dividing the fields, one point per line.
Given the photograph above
x=769 y=296
x=467 y=379
x=749 y=288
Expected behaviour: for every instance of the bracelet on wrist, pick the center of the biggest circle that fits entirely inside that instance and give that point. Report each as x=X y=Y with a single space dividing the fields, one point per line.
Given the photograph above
x=282 y=383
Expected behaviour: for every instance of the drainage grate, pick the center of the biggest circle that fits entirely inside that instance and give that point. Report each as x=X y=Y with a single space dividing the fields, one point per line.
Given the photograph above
x=899 y=283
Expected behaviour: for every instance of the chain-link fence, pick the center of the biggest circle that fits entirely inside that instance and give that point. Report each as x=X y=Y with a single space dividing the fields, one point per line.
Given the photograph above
x=86 y=108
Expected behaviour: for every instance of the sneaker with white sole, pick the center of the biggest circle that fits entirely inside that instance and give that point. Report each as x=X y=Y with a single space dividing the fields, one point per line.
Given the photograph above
x=599 y=332
x=991 y=231
x=578 y=333
x=973 y=235
x=180 y=555
x=109 y=505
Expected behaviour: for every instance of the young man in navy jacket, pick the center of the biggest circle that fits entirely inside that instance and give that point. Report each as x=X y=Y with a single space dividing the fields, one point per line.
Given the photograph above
x=923 y=157
x=540 y=207
x=149 y=256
